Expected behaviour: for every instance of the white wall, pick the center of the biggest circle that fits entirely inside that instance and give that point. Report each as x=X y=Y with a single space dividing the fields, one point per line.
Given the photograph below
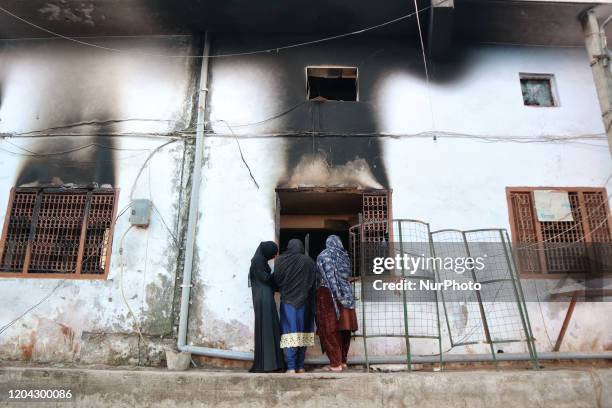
x=450 y=183
x=48 y=83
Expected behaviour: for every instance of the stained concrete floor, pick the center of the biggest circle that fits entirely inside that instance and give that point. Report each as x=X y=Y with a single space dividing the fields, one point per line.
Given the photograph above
x=581 y=386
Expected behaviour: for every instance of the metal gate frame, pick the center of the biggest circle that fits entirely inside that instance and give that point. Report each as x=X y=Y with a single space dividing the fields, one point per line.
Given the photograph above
x=358 y=258
x=359 y=261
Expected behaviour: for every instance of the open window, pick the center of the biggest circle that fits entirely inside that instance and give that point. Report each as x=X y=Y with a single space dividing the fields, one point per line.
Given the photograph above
x=332 y=83
x=539 y=90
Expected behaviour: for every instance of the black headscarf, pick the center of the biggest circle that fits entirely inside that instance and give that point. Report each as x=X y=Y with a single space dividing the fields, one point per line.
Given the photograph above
x=294 y=274
x=259 y=263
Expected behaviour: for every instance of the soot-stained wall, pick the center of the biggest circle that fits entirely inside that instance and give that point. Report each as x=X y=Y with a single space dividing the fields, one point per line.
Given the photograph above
x=269 y=92
x=457 y=181
x=82 y=95
x=127 y=103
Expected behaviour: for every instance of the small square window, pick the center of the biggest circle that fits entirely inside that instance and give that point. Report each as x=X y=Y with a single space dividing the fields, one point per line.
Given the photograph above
x=538 y=90
x=331 y=83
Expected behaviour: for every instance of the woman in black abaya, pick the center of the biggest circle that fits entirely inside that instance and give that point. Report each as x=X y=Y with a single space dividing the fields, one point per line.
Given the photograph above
x=294 y=275
x=268 y=355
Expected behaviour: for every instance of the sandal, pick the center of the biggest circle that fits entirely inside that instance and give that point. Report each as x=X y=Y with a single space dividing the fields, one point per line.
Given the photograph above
x=332 y=369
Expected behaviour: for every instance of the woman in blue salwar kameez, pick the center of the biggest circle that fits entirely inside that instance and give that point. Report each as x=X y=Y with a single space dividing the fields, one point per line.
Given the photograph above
x=294 y=275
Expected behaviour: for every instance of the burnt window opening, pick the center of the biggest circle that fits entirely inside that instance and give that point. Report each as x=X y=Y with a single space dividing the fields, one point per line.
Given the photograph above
x=360 y=218
x=58 y=232
x=577 y=241
x=332 y=83
x=538 y=90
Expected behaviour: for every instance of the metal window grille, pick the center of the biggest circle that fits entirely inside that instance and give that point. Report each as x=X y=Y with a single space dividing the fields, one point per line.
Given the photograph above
x=375 y=217
x=561 y=246
x=58 y=232
x=373 y=228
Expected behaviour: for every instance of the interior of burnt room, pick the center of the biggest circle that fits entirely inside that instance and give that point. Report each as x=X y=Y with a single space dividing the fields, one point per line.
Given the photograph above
x=313 y=214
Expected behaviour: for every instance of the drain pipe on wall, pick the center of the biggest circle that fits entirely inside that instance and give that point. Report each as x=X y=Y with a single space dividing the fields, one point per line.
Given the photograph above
x=194 y=200
x=248 y=356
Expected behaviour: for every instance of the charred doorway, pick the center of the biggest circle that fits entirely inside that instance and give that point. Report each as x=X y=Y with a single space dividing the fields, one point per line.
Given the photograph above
x=312 y=214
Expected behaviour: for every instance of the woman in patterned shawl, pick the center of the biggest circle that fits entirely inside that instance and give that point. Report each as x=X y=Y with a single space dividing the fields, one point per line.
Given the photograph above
x=335 y=316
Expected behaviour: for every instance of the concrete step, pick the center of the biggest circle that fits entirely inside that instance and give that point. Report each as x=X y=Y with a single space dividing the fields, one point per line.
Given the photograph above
x=119 y=388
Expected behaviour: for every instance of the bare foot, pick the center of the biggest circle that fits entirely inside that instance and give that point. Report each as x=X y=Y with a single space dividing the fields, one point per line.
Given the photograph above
x=334 y=369
x=301 y=370
x=344 y=366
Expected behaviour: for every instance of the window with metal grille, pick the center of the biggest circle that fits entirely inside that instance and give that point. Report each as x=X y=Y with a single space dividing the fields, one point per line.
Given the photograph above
x=579 y=243
x=58 y=232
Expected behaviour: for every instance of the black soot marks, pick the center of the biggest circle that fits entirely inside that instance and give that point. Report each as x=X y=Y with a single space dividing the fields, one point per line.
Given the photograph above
x=330 y=158
x=82 y=160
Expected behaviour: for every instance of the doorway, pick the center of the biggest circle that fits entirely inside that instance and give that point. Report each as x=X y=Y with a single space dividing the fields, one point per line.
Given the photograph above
x=313 y=214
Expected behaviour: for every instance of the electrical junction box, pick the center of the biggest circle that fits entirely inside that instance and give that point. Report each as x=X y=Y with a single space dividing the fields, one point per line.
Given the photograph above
x=141 y=212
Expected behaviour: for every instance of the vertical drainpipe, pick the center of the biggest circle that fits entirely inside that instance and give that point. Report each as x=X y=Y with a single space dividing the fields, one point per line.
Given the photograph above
x=194 y=200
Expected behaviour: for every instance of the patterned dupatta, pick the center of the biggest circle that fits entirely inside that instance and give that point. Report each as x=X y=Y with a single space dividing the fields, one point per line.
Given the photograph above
x=334 y=271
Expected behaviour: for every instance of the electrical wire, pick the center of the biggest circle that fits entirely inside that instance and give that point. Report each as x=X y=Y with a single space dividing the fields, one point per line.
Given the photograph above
x=584 y=236
x=31 y=153
x=144 y=164
x=94 y=122
x=427 y=83
x=121 y=272
x=273 y=117
x=539 y=302
x=78 y=161
x=56 y=287
x=41 y=301
x=560 y=139
x=239 y=54
x=241 y=155
x=174 y=238
x=162 y=135
x=535 y=285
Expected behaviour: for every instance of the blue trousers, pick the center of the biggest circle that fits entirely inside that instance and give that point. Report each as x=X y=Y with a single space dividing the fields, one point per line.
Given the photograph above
x=294 y=357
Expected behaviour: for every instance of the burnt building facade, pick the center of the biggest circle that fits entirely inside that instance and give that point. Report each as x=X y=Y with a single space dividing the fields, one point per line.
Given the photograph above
x=307 y=126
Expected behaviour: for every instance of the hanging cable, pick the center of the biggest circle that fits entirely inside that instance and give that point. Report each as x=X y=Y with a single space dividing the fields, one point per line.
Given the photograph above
x=427 y=84
x=239 y=54
x=241 y=155
x=144 y=164
x=56 y=287
x=76 y=149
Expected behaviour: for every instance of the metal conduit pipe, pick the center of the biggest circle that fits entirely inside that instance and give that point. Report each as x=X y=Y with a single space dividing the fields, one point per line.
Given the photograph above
x=194 y=201
x=401 y=359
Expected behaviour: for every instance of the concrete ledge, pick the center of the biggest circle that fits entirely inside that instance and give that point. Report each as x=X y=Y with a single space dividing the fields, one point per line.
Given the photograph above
x=160 y=388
